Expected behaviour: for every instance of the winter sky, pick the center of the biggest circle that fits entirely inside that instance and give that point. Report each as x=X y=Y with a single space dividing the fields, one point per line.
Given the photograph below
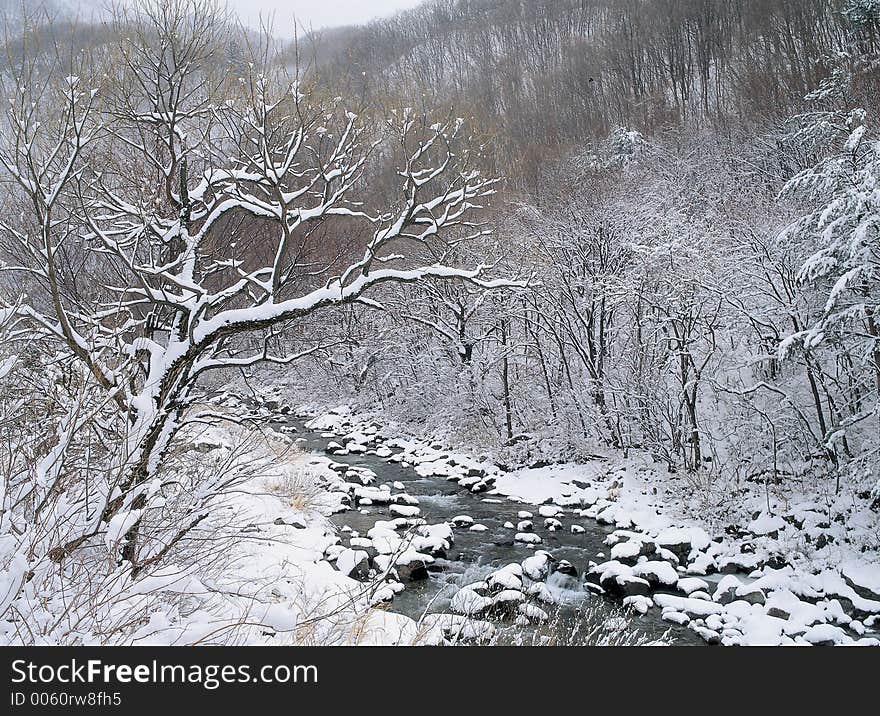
x=309 y=14
x=316 y=13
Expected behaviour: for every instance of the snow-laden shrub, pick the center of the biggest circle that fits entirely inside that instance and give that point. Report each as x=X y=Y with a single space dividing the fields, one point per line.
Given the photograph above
x=300 y=489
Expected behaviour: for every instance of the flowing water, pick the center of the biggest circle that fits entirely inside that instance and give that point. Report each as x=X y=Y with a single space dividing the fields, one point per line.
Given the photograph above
x=474 y=554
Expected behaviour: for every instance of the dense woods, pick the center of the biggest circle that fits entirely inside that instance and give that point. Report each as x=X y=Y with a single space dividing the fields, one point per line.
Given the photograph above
x=688 y=186
x=554 y=75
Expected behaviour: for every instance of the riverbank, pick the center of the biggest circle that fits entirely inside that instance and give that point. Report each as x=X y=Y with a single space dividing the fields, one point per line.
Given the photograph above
x=752 y=583
x=267 y=581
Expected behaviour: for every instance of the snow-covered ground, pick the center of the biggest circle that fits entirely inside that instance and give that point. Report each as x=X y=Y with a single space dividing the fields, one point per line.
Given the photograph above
x=273 y=585
x=792 y=571
x=282 y=575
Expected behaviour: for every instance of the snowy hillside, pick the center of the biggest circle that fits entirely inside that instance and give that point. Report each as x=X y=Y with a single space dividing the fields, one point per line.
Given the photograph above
x=488 y=322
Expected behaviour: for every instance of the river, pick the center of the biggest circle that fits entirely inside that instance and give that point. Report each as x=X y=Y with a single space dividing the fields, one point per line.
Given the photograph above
x=476 y=553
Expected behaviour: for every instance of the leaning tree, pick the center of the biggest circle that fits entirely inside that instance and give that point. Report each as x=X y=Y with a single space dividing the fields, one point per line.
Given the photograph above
x=213 y=204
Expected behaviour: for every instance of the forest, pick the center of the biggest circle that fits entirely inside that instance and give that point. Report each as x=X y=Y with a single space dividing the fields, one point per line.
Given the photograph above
x=489 y=321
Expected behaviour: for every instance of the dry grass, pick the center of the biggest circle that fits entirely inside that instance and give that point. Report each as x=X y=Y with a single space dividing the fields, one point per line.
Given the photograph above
x=299 y=488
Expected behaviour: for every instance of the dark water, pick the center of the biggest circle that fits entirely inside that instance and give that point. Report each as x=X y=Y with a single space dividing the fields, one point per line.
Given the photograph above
x=475 y=554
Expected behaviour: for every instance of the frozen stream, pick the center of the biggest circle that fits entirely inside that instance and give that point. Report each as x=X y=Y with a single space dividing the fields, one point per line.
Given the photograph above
x=474 y=554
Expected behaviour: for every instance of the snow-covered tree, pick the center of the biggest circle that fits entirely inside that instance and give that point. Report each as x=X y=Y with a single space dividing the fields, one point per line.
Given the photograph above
x=142 y=168
x=843 y=226
x=862 y=13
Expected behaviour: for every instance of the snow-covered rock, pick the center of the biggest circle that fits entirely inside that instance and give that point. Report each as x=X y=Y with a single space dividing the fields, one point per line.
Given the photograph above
x=466 y=601
x=508 y=577
x=533 y=613
x=689 y=585
x=617 y=579
x=657 y=573
x=354 y=563
x=766 y=524
x=537 y=566
x=693 y=607
x=405 y=510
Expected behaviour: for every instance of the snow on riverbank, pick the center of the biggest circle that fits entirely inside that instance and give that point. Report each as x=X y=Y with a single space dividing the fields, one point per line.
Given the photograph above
x=271 y=583
x=783 y=591
x=780 y=569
